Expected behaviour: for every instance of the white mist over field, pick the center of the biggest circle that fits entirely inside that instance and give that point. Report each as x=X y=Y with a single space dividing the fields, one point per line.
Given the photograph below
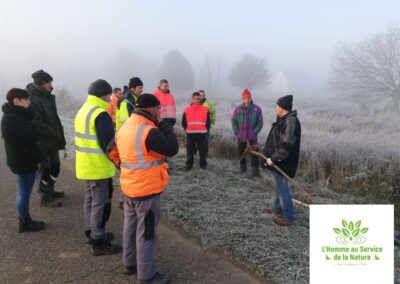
x=80 y=41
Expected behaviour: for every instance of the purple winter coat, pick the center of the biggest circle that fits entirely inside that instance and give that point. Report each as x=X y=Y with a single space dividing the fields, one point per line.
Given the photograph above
x=247 y=122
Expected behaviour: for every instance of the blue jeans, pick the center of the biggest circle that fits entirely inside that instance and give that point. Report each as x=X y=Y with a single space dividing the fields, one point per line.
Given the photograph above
x=24 y=189
x=283 y=199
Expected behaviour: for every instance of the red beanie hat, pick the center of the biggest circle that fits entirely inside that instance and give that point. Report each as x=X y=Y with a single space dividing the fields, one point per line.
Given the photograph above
x=246 y=94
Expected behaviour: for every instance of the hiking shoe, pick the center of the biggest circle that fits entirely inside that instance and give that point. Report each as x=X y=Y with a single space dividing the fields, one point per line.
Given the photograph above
x=109 y=237
x=29 y=225
x=129 y=270
x=159 y=278
x=281 y=222
x=50 y=202
x=104 y=248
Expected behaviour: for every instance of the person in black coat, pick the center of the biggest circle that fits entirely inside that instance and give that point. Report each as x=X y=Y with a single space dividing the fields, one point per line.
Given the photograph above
x=283 y=150
x=50 y=135
x=22 y=153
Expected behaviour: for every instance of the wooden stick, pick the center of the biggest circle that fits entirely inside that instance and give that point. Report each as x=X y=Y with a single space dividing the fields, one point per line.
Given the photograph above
x=294 y=182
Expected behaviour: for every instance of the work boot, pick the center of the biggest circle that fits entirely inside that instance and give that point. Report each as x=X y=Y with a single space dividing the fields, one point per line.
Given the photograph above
x=109 y=236
x=48 y=201
x=101 y=247
x=129 y=270
x=29 y=225
x=159 y=278
x=281 y=222
x=53 y=193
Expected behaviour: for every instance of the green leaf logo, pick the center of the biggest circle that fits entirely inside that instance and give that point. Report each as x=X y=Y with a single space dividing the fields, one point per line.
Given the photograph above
x=351 y=226
x=350 y=233
x=337 y=230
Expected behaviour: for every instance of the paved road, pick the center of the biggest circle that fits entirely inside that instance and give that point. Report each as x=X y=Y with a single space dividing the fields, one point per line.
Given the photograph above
x=60 y=255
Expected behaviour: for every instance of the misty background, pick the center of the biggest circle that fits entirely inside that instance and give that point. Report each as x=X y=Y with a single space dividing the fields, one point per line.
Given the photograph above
x=78 y=42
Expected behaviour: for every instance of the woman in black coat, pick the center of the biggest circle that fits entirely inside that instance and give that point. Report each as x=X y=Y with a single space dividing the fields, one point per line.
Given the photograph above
x=23 y=156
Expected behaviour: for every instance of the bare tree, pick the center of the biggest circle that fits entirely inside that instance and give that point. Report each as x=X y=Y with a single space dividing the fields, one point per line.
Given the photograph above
x=249 y=72
x=211 y=73
x=370 y=69
x=177 y=69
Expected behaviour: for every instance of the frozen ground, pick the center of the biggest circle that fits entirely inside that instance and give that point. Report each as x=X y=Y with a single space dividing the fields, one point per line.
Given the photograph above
x=223 y=210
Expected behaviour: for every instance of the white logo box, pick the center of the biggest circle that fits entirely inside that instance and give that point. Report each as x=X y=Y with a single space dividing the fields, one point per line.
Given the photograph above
x=351 y=244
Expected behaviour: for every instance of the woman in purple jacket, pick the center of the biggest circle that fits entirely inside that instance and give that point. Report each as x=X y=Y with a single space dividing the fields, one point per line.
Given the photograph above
x=247 y=122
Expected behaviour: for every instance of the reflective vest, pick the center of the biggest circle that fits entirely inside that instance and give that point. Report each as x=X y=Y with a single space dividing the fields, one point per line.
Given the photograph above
x=212 y=110
x=143 y=173
x=122 y=111
x=196 y=119
x=91 y=162
x=112 y=108
x=167 y=103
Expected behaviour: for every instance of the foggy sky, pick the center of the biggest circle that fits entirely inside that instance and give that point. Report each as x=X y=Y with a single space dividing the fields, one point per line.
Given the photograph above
x=79 y=41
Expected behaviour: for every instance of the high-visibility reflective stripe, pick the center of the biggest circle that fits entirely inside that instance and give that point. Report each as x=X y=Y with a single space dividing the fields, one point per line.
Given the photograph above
x=139 y=152
x=196 y=131
x=196 y=123
x=129 y=102
x=88 y=150
x=87 y=134
x=142 y=165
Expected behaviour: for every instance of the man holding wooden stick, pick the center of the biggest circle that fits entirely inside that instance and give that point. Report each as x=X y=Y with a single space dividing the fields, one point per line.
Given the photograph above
x=283 y=150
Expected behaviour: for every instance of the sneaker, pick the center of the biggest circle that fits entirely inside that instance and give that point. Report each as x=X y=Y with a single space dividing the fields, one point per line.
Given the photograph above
x=29 y=225
x=159 y=278
x=104 y=248
x=129 y=270
x=281 y=222
x=50 y=202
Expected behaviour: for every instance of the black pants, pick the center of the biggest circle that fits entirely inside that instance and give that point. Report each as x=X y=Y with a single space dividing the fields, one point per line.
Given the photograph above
x=243 y=162
x=199 y=141
x=50 y=169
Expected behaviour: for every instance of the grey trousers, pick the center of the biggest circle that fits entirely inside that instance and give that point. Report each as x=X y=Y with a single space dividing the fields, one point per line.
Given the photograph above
x=141 y=219
x=97 y=206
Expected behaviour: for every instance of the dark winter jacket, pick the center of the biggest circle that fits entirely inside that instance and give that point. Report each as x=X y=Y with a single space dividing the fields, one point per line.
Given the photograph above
x=283 y=143
x=20 y=139
x=46 y=121
x=247 y=122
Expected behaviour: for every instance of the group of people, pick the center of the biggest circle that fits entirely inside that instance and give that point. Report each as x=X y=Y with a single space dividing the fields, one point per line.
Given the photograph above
x=133 y=132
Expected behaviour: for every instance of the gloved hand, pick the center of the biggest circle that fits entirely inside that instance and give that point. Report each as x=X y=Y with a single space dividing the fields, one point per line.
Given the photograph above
x=269 y=162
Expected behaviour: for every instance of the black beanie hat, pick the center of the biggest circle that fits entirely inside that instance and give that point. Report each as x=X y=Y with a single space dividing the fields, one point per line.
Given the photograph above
x=134 y=82
x=100 y=88
x=40 y=77
x=147 y=100
x=16 y=93
x=286 y=102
